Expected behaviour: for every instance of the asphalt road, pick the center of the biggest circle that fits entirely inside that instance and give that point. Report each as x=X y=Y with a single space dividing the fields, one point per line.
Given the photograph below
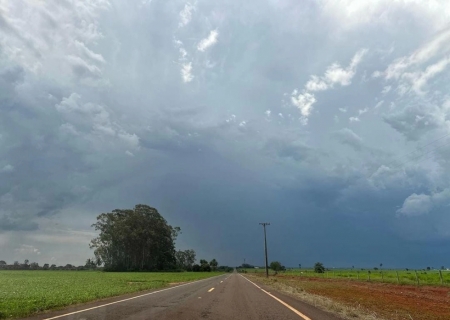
x=229 y=296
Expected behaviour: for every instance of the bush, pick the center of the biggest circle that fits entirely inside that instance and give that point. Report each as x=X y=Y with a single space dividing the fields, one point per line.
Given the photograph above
x=319 y=268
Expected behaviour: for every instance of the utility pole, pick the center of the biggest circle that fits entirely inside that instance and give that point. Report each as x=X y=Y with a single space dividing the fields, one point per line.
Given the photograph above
x=264 y=224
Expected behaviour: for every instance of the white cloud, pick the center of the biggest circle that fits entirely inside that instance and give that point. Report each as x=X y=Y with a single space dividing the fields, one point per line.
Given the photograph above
x=183 y=54
x=379 y=104
x=386 y=89
x=186 y=72
x=129 y=153
x=420 y=204
x=186 y=14
x=413 y=72
x=353 y=14
x=362 y=111
x=304 y=102
x=316 y=84
x=343 y=110
x=334 y=74
x=130 y=139
x=353 y=119
x=209 y=41
x=242 y=124
x=267 y=113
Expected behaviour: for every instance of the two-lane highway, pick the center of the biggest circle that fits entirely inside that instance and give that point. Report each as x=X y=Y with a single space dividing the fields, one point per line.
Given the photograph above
x=229 y=296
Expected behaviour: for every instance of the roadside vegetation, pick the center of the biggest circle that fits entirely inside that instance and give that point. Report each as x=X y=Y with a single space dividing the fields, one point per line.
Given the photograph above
x=422 y=277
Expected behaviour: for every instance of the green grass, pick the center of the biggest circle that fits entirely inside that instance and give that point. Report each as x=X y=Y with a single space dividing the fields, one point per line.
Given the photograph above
x=390 y=276
x=26 y=292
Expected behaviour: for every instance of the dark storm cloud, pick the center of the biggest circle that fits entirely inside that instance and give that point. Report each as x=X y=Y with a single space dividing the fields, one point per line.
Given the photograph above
x=126 y=107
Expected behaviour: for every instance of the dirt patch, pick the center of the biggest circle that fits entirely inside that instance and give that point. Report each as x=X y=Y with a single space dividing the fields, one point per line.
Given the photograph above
x=389 y=301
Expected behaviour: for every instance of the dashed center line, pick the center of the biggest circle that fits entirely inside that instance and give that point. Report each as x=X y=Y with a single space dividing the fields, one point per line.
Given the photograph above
x=210 y=289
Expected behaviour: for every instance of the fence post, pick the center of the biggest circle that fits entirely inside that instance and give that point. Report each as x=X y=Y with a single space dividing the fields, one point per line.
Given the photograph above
x=398 y=280
x=440 y=275
x=417 y=278
x=382 y=278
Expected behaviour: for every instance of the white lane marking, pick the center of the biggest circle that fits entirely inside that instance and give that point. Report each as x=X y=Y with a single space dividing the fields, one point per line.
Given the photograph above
x=142 y=295
x=279 y=300
x=210 y=289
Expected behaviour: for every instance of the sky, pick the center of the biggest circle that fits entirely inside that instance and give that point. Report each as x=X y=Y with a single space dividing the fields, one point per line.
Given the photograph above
x=329 y=119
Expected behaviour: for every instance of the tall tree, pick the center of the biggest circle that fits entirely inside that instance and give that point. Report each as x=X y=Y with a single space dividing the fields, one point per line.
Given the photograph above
x=213 y=263
x=135 y=239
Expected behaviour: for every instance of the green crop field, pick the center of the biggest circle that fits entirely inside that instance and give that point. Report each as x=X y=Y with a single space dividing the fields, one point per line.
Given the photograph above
x=424 y=277
x=26 y=292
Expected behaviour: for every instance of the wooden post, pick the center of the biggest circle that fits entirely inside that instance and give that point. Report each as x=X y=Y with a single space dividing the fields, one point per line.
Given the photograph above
x=398 y=279
x=440 y=275
x=417 y=278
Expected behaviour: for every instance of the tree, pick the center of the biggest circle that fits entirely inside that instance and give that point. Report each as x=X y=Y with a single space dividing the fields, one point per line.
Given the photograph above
x=319 y=268
x=34 y=265
x=381 y=265
x=204 y=265
x=196 y=268
x=3 y=263
x=185 y=259
x=45 y=266
x=213 y=263
x=299 y=265
x=135 y=239
x=442 y=267
x=90 y=263
x=53 y=267
x=275 y=266
x=428 y=268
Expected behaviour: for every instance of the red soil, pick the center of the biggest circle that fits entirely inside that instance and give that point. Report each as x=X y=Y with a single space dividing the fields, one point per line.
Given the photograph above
x=390 y=301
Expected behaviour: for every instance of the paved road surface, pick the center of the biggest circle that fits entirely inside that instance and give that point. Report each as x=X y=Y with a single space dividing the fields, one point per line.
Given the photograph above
x=229 y=296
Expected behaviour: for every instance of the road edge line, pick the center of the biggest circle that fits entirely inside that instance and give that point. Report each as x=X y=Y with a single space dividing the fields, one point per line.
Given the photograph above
x=140 y=296
x=279 y=300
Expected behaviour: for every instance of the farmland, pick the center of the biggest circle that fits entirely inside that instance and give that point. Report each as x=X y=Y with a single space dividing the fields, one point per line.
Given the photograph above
x=406 y=277
x=26 y=292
